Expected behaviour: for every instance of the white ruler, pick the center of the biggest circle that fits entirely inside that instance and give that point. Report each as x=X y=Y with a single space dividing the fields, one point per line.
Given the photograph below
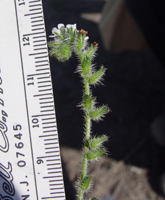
x=30 y=164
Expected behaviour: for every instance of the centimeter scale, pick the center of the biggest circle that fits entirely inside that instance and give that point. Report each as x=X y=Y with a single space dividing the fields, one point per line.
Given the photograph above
x=30 y=164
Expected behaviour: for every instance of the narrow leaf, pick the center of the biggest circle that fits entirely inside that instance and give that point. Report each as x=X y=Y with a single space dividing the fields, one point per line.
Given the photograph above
x=98 y=153
x=85 y=183
x=97 y=76
x=98 y=113
x=97 y=141
x=91 y=50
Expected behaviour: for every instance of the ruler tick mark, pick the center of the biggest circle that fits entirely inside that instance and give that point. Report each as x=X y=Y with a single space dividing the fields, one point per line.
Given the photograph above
x=33 y=13
x=35 y=9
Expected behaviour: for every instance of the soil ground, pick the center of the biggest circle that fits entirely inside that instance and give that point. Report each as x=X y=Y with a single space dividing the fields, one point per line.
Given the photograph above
x=134 y=89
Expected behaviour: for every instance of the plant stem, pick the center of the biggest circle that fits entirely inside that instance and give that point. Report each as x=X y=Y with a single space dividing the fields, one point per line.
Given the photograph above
x=86 y=137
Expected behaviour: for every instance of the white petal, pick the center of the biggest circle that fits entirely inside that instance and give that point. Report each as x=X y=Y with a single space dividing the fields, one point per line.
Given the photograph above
x=60 y=26
x=86 y=38
x=51 y=36
x=55 y=30
x=71 y=25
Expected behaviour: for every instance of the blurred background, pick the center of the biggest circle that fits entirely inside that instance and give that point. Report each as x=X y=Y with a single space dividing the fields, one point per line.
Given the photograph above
x=131 y=38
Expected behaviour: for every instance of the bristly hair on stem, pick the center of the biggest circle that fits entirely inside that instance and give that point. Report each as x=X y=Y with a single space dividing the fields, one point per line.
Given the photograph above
x=67 y=40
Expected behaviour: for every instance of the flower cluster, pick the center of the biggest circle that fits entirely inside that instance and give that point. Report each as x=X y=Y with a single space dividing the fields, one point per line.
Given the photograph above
x=69 y=40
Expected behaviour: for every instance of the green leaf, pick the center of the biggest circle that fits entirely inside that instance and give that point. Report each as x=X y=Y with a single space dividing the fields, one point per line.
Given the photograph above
x=85 y=183
x=94 y=198
x=97 y=76
x=99 y=113
x=91 y=51
x=88 y=102
x=98 y=153
x=96 y=142
x=86 y=65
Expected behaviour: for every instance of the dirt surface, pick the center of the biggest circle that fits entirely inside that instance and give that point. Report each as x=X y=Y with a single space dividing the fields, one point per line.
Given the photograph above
x=134 y=89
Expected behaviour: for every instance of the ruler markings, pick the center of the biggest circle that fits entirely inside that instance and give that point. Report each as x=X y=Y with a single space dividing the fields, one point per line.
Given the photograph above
x=51 y=139
x=47 y=110
x=55 y=172
x=48 y=118
x=55 y=184
x=33 y=54
x=47 y=135
x=41 y=61
x=45 y=77
x=60 y=176
x=43 y=65
x=54 y=197
x=49 y=152
x=49 y=122
x=39 y=40
x=38 y=45
x=50 y=131
x=36 y=77
x=36 y=33
x=34 y=25
x=35 y=9
x=50 y=156
x=49 y=127
x=59 y=180
x=44 y=91
x=46 y=98
x=40 y=57
x=45 y=85
x=56 y=168
x=43 y=115
x=36 y=18
x=52 y=168
x=45 y=94
x=56 y=192
x=38 y=70
x=35 y=5
x=36 y=21
x=52 y=164
x=38 y=74
x=47 y=106
x=37 y=29
x=26 y=103
x=35 y=1
x=51 y=143
x=50 y=148
x=56 y=188
x=33 y=13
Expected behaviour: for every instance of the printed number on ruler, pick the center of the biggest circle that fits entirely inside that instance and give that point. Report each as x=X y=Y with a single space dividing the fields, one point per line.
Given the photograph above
x=30 y=164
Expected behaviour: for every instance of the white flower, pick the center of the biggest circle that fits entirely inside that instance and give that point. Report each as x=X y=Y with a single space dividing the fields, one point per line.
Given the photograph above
x=57 y=30
x=73 y=26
